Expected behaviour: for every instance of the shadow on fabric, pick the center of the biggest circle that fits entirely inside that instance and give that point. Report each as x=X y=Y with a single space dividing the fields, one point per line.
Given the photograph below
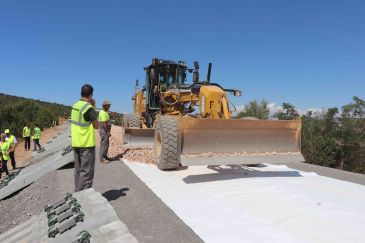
x=232 y=172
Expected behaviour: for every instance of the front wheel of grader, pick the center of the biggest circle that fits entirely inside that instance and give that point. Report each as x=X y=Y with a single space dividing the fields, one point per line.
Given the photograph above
x=167 y=143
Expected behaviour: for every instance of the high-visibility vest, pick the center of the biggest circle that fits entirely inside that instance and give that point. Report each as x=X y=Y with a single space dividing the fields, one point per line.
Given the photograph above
x=37 y=133
x=11 y=140
x=5 y=147
x=26 y=132
x=82 y=132
x=103 y=116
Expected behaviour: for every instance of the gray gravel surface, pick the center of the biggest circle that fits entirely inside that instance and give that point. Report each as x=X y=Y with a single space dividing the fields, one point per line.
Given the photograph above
x=329 y=172
x=146 y=216
x=29 y=201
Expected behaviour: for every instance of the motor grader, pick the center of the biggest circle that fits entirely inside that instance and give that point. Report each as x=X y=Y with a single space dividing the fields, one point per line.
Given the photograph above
x=166 y=117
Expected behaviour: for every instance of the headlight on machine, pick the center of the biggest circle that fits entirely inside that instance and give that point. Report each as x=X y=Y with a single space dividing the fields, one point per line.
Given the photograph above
x=237 y=93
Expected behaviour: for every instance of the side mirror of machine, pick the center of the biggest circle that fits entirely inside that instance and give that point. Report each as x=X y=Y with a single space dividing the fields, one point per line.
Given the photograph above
x=137 y=82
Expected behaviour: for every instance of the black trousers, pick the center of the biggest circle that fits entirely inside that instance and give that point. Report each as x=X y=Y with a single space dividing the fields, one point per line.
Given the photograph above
x=36 y=143
x=4 y=167
x=12 y=158
x=27 y=143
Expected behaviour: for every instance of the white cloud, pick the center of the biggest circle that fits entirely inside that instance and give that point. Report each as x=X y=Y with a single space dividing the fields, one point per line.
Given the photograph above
x=315 y=111
x=274 y=108
x=240 y=108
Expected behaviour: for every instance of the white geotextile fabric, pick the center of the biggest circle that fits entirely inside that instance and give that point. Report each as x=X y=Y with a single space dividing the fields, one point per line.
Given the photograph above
x=260 y=204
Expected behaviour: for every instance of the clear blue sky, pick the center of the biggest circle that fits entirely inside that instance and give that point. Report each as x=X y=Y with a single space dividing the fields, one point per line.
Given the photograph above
x=310 y=53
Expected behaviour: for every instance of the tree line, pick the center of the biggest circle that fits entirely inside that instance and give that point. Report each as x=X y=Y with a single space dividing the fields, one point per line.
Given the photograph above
x=16 y=112
x=334 y=137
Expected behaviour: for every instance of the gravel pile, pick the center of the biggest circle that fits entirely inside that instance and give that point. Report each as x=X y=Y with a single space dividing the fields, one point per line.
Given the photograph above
x=28 y=202
x=211 y=154
x=144 y=155
x=118 y=150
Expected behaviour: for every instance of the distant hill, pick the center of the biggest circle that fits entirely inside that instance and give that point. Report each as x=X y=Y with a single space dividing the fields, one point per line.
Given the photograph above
x=16 y=112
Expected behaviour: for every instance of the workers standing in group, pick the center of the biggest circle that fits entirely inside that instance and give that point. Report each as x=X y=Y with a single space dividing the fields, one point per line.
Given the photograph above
x=5 y=150
x=84 y=120
x=104 y=131
x=36 y=137
x=26 y=137
x=13 y=143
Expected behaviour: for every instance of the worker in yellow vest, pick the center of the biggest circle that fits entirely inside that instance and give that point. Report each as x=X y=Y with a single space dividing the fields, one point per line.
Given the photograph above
x=26 y=137
x=104 y=131
x=37 y=133
x=13 y=143
x=4 y=156
x=83 y=122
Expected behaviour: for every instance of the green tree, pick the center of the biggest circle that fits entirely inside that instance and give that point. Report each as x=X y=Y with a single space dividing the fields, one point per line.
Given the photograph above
x=333 y=139
x=355 y=109
x=330 y=120
x=352 y=135
x=255 y=109
x=289 y=113
x=16 y=112
x=326 y=151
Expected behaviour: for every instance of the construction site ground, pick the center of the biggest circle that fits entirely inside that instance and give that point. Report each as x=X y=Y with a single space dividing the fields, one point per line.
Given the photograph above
x=23 y=157
x=146 y=216
x=167 y=214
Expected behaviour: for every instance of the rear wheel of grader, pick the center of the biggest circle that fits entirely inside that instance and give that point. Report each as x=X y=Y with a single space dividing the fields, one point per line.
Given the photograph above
x=133 y=120
x=167 y=143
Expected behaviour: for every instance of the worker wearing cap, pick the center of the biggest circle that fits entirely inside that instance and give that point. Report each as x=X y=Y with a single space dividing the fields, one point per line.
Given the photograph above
x=37 y=133
x=5 y=150
x=13 y=143
x=104 y=131
x=83 y=122
x=26 y=137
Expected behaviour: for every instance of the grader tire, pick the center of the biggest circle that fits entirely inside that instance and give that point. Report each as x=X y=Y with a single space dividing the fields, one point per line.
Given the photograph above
x=133 y=120
x=167 y=143
x=125 y=120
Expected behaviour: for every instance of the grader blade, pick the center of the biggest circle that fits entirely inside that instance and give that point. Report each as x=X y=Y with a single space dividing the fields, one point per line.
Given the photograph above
x=134 y=136
x=218 y=142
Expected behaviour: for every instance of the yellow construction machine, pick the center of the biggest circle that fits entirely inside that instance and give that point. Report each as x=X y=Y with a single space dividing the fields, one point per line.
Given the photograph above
x=165 y=117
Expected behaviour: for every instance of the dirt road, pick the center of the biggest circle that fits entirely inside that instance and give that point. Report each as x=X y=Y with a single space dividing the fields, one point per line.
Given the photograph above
x=23 y=157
